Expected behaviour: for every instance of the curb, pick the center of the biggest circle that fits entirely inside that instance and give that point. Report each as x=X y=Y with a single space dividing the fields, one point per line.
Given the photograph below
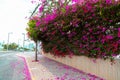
x=32 y=78
x=31 y=75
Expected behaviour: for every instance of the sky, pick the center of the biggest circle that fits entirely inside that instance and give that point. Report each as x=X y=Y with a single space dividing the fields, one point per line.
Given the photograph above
x=13 y=15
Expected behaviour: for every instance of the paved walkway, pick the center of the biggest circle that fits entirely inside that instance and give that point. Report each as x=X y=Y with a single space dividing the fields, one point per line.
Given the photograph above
x=46 y=69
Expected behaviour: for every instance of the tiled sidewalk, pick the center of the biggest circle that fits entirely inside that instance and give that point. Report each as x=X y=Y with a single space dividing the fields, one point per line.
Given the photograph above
x=46 y=69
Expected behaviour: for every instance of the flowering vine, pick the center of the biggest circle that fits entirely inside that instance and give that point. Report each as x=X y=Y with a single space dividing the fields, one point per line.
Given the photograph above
x=75 y=27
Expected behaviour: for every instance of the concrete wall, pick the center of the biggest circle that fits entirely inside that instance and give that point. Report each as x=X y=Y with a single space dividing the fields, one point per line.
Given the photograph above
x=101 y=68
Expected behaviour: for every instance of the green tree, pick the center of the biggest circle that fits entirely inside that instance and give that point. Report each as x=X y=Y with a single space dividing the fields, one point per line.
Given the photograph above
x=33 y=34
x=12 y=46
x=4 y=46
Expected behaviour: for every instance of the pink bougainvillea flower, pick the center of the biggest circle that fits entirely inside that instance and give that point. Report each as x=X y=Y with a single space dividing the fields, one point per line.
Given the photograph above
x=67 y=8
x=119 y=34
x=110 y=20
x=119 y=29
x=113 y=55
x=50 y=17
x=115 y=45
x=108 y=1
x=37 y=23
x=74 y=8
x=90 y=30
x=89 y=6
x=53 y=32
x=95 y=1
x=85 y=9
x=78 y=1
x=41 y=9
x=109 y=37
x=75 y=0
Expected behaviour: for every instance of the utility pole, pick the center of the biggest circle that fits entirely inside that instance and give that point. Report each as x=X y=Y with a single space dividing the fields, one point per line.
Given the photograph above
x=8 y=40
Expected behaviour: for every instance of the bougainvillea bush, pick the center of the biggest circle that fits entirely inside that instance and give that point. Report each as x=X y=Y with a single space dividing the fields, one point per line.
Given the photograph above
x=90 y=28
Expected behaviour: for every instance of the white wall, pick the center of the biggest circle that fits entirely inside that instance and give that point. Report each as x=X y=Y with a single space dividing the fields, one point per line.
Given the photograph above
x=102 y=68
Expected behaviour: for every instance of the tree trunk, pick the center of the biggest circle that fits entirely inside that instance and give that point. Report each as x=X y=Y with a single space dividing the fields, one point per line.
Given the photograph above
x=36 y=51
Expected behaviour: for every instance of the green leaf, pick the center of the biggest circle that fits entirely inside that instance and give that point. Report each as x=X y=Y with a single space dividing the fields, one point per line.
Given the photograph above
x=63 y=10
x=93 y=51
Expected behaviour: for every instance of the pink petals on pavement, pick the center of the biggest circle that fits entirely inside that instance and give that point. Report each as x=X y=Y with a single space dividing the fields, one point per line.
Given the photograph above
x=64 y=72
x=26 y=70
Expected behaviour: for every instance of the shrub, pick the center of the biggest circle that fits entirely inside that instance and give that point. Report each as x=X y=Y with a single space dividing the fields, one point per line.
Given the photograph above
x=91 y=29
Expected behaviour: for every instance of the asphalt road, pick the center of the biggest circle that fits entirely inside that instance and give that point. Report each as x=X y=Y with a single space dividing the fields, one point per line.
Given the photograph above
x=12 y=67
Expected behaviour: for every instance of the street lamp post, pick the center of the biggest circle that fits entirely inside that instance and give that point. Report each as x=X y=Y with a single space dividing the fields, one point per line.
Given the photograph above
x=18 y=43
x=23 y=41
x=8 y=40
